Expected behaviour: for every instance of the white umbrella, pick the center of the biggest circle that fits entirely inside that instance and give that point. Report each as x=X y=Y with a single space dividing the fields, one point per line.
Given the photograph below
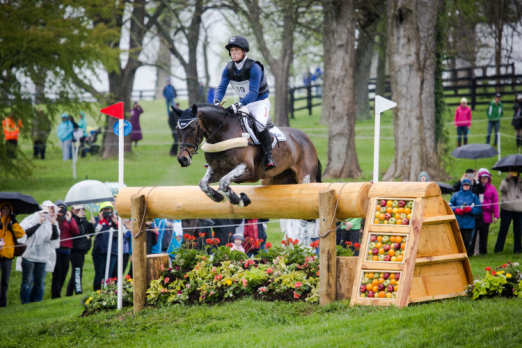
x=88 y=191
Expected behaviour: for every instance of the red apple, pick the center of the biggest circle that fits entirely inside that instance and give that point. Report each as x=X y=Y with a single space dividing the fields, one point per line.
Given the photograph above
x=373 y=238
x=386 y=275
x=402 y=204
x=370 y=293
x=397 y=276
x=390 y=288
x=363 y=288
x=405 y=221
x=387 y=216
x=387 y=247
x=375 y=251
x=396 y=246
x=380 y=287
x=387 y=258
x=383 y=203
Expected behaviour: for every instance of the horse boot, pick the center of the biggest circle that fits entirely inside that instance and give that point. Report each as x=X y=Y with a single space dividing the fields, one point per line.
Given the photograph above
x=266 y=141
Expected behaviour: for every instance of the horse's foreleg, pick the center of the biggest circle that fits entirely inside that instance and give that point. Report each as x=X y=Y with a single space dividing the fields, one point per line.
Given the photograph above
x=224 y=186
x=209 y=191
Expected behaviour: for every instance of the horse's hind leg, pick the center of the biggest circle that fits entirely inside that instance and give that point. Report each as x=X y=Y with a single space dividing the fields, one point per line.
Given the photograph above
x=224 y=186
x=209 y=191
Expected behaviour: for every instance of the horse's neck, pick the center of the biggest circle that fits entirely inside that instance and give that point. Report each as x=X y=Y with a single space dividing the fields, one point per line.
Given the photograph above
x=217 y=128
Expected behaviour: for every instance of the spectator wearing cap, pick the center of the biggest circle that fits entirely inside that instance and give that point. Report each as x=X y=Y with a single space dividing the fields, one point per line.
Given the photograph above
x=65 y=134
x=237 y=243
x=495 y=112
x=463 y=121
x=517 y=119
x=80 y=247
x=466 y=205
x=68 y=230
x=510 y=209
x=169 y=92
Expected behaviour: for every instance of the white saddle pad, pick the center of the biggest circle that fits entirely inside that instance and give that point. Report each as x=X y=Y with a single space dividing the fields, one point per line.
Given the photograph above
x=276 y=132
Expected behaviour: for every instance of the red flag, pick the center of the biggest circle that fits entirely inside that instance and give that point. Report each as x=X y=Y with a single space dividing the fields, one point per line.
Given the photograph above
x=115 y=110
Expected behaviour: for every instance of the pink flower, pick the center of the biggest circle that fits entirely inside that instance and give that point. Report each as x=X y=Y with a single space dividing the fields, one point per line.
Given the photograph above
x=298 y=285
x=268 y=271
x=188 y=286
x=214 y=270
x=179 y=292
x=263 y=289
x=163 y=290
x=204 y=257
x=296 y=295
x=162 y=267
x=212 y=292
x=244 y=282
x=186 y=275
x=219 y=276
x=167 y=280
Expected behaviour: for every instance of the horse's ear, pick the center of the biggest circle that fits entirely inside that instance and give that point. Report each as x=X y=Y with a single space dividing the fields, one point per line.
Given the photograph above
x=194 y=110
x=176 y=111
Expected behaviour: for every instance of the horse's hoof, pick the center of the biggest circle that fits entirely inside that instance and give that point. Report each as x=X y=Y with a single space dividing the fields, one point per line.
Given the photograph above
x=245 y=200
x=225 y=198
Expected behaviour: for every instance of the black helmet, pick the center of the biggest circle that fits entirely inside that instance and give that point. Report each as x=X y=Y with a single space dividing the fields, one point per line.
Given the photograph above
x=238 y=41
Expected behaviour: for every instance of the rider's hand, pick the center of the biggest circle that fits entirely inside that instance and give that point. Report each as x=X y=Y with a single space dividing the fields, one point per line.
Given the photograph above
x=234 y=108
x=217 y=102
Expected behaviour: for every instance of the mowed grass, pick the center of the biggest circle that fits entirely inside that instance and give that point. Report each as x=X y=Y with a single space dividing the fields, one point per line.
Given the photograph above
x=454 y=322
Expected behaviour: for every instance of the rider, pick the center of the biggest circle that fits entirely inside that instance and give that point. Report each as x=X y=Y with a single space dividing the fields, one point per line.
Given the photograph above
x=247 y=77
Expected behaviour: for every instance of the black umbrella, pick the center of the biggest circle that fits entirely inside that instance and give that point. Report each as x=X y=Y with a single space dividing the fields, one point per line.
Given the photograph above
x=474 y=151
x=22 y=204
x=445 y=188
x=509 y=163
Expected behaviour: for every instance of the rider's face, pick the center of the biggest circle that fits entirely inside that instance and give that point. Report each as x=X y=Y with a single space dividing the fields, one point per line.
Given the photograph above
x=236 y=53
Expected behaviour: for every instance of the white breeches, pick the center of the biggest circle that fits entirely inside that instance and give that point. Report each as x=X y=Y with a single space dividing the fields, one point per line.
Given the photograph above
x=261 y=112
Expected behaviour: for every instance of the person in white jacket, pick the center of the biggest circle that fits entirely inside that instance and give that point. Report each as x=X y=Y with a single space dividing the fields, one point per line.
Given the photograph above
x=43 y=237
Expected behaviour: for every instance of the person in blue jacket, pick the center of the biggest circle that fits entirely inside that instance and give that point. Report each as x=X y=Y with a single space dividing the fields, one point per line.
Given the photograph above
x=65 y=134
x=169 y=92
x=103 y=223
x=466 y=205
x=248 y=78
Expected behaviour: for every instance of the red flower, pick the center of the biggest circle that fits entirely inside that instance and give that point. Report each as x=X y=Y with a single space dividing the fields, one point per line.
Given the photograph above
x=127 y=277
x=504 y=265
x=488 y=269
x=167 y=280
x=357 y=246
x=317 y=274
x=493 y=273
x=202 y=235
x=295 y=242
x=348 y=243
x=296 y=295
x=298 y=285
x=268 y=245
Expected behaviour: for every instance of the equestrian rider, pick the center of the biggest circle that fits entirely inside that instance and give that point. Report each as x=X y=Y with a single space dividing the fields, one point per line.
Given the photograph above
x=247 y=77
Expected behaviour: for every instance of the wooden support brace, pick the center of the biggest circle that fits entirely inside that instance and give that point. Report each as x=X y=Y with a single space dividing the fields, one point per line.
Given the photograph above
x=139 y=253
x=328 y=251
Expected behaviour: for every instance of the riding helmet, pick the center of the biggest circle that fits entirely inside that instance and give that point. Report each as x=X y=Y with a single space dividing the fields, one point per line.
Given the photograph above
x=238 y=41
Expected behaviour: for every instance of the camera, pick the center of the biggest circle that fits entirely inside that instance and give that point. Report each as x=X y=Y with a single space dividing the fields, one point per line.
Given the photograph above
x=63 y=210
x=107 y=214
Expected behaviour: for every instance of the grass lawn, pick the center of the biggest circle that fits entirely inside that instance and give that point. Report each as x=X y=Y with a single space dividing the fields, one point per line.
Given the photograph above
x=454 y=322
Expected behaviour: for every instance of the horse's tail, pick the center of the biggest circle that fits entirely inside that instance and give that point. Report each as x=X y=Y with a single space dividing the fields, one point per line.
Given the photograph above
x=319 y=170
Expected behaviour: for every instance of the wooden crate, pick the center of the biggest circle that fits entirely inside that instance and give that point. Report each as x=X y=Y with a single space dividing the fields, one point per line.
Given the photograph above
x=435 y=264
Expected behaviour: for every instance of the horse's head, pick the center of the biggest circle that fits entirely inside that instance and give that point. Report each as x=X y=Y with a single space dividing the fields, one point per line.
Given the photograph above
x=190 y=134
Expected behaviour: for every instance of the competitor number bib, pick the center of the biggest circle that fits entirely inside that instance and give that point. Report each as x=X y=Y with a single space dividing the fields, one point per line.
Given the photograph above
x=242 y=88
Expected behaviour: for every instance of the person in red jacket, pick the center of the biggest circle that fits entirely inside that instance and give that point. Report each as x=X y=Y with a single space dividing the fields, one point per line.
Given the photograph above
x=68 y=229
x=463 y=121
x=11 y=131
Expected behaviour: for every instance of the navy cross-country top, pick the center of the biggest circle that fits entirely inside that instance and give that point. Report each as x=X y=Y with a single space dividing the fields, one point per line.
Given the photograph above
x=253 y=83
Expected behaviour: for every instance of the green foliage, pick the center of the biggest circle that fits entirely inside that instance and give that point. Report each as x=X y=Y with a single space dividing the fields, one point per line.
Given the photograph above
x=106 y=298
x=342 y=251
x=505 y=281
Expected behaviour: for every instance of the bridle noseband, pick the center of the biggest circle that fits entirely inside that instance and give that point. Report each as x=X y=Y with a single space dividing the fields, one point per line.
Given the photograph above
x=184 y=146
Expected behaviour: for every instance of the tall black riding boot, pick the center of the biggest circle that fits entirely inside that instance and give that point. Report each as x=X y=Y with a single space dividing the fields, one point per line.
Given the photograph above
x=266 y=141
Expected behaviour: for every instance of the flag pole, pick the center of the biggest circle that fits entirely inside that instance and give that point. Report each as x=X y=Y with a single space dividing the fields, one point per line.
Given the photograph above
x=380 y=105
x=120 y=225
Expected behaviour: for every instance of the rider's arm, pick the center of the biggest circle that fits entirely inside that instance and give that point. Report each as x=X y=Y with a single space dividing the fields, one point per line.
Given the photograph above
x=222 y=88
x=255 y=79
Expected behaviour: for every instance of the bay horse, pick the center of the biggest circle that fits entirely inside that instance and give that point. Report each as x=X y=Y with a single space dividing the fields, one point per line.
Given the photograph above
x=296 y=157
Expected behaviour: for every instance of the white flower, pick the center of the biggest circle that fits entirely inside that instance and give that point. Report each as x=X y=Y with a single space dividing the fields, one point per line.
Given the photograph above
x=515 y=263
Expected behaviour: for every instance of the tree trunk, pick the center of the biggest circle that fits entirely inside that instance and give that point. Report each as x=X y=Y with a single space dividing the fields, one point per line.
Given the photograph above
x=411 y=50
x=380 y=81
x=363 y=64
x=163 y=68
x=338 y=91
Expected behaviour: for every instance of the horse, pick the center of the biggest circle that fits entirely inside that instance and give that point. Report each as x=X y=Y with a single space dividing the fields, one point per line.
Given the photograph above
x=296 y=157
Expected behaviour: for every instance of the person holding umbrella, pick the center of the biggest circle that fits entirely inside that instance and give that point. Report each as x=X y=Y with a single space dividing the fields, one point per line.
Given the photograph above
x=510 y=209
x=466 y=205
x=9 y=231
x=516 y=122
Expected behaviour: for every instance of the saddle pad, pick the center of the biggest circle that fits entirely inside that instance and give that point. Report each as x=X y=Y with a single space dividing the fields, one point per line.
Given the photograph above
x=276 y=133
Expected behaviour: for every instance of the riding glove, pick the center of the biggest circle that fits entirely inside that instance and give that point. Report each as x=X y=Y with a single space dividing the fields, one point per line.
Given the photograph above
x=234 y=108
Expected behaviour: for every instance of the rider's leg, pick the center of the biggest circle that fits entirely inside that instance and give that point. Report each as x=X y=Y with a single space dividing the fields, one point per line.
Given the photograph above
x=260 y=110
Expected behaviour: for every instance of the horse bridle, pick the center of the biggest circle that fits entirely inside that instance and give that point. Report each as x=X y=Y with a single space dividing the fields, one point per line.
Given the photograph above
x=184 y=146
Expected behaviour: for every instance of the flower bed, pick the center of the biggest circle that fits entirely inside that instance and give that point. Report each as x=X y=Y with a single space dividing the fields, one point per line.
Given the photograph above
x=289 y=272
x=106 y=298
x=505 y=281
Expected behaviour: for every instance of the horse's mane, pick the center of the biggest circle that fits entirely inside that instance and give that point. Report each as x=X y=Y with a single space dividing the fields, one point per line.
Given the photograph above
x=211 y=108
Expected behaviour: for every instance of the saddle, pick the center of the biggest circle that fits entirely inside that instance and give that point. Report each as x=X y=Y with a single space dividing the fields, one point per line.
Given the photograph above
x=250 y=130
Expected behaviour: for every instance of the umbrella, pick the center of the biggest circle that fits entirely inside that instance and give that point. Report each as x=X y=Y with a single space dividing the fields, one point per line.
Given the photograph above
x=114 y=187
x=88 y=191
x=445 y=188
x=509 y=163
x=474 y=151
x=22 y=204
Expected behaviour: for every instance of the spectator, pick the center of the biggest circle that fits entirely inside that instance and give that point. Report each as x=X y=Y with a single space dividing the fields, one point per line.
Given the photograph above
x=169 y=92
x=489 y=213
x=262 y=232
x=9 y=231
x=103 y=223
x=251 y=236
x=82 y=123
x=424 y=177
x=135 y=122
x=463 y=121
x=517 y=119
x=40 y=130
x=43 y=237
x=162 y=226
x=476 y=187
x=495 y=113
x=11 y=132
x=152 y=236
x=237 y=241
x=223 y=233
x=510 y=209
x=307 y=78
x=466 y=205
x=80 y=247
x=68 y=229
x=173 y=123
x=126 y=254
x=65 y=134
x=352 y=229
